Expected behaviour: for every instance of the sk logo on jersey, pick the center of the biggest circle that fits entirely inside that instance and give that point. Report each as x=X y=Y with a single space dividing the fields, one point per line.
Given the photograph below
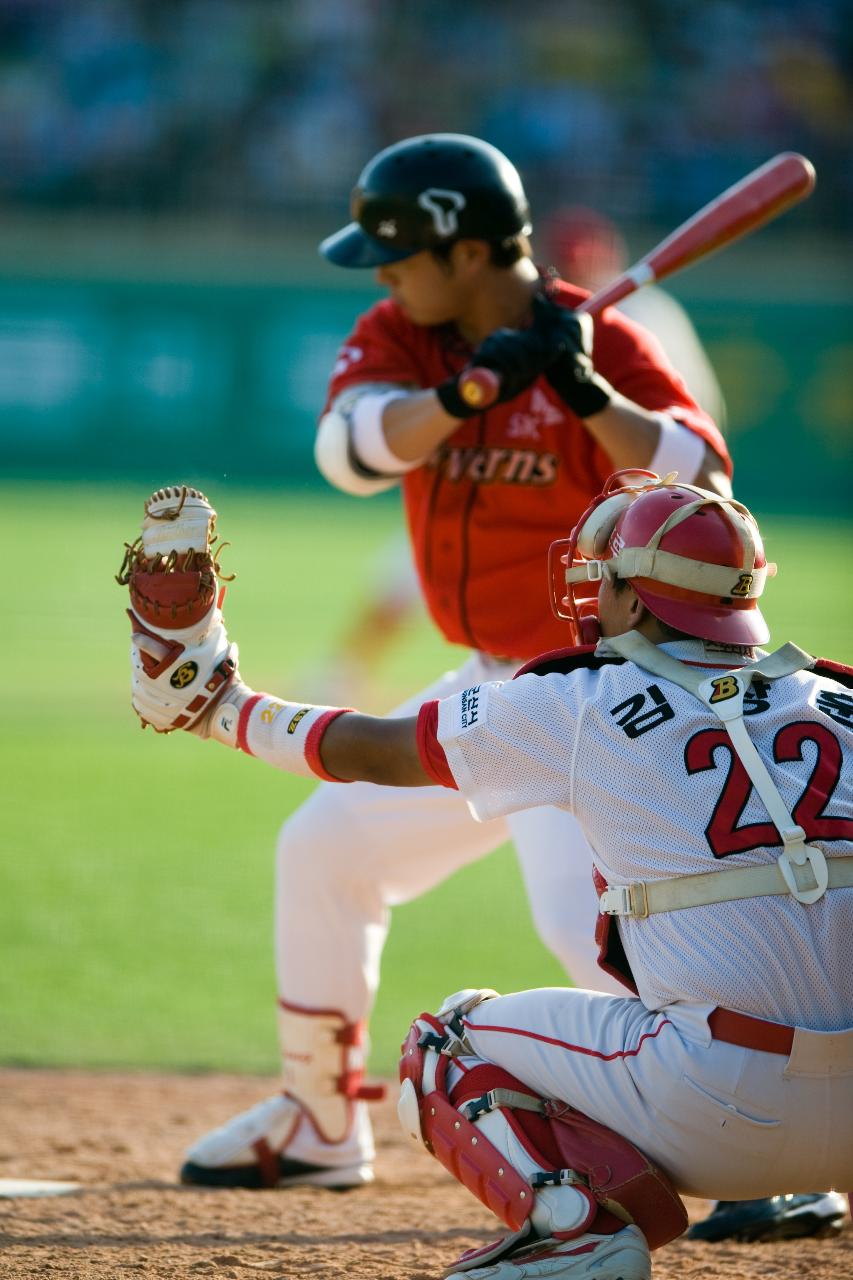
x=527 y=424
x=725 y=687
x=184 y=675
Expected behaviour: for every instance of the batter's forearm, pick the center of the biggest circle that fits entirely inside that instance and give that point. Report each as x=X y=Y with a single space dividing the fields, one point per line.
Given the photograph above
x=414 y=424
x=628 y=434
x=631 y=436
x=713 y=475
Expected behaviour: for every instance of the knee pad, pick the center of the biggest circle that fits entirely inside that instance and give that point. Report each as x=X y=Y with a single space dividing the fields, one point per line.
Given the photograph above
x=486 y=1128
x=537 y=1163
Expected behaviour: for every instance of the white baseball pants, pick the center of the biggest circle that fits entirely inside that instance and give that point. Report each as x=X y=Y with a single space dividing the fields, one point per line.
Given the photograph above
x=725 y=1122
x=352 y=851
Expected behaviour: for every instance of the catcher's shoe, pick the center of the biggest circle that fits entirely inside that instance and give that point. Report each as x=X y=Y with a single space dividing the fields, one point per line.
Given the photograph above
x=772 y=1218
x=623 y=1256
x=275 y=1144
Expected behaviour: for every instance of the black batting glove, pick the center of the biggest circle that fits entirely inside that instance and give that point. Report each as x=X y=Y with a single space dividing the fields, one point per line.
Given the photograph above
x=517 y=356
x=571 y=373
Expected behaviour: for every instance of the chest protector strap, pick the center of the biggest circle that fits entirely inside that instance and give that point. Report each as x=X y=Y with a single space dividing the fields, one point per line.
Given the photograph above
x=801 y=869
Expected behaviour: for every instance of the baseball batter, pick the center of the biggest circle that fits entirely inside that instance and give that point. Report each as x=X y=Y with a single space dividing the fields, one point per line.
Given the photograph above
x=587 y=249
x=711 y=782
x=443 y=220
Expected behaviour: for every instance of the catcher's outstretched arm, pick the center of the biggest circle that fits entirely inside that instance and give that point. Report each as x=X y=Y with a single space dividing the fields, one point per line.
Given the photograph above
x=184 y=669
x=333 y=743
x=371 y=749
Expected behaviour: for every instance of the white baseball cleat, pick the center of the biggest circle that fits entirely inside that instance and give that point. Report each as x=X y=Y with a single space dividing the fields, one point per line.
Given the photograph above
x=623 y=1256
x=275 y=1144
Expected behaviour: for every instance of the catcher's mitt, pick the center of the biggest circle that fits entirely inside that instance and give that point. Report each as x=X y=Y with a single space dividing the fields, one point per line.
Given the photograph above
x=181 y=660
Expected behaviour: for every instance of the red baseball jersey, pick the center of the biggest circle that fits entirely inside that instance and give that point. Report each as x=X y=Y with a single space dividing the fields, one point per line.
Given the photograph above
x=484 y=507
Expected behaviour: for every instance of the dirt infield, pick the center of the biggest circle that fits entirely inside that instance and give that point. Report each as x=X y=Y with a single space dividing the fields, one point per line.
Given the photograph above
x=122 y=1136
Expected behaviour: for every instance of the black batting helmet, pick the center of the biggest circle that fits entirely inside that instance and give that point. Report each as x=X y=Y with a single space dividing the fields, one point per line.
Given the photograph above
x=427 y=191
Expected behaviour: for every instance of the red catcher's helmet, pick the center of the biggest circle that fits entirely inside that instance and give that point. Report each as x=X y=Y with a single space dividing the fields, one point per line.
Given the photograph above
x=695 y=559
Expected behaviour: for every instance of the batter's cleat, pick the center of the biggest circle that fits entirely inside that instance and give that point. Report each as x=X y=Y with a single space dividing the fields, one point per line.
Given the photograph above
x=773 y=1218
x=275 y=1144
x=623 y=1256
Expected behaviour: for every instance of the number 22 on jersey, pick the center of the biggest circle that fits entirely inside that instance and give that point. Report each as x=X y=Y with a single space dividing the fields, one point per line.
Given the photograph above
x=724 y=835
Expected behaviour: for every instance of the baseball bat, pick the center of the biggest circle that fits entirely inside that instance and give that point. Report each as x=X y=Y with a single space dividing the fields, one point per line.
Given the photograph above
x=757 y=199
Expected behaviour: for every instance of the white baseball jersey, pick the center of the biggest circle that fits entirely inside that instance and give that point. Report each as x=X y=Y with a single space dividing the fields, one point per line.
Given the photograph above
x=652 y=778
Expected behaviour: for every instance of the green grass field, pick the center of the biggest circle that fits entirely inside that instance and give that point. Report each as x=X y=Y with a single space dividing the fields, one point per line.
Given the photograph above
x=136 y=871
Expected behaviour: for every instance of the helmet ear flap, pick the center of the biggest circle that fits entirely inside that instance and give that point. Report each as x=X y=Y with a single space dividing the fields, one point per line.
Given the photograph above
x=594 y=534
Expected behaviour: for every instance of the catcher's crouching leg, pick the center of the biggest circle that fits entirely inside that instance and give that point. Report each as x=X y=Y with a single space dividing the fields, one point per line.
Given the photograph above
x=565 y=1185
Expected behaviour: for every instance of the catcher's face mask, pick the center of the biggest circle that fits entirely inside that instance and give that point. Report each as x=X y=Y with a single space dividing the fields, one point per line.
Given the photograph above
x=695 y=559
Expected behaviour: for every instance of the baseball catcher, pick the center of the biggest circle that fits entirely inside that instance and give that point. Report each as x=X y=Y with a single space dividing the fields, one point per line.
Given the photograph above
x=711 y=780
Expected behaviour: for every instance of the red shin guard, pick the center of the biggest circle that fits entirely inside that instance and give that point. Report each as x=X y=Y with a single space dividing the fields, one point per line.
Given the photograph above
x=619 y=1183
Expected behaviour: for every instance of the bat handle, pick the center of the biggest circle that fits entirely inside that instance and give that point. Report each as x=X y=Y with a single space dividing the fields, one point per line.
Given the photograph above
x=479 y=387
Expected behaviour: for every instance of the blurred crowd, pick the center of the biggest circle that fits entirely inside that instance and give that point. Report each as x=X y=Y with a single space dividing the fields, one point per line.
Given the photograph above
x=644 y=108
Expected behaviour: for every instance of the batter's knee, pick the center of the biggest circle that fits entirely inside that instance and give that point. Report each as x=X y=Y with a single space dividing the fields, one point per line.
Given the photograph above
x=565 y=910
x=320 y=842
x=563 y=942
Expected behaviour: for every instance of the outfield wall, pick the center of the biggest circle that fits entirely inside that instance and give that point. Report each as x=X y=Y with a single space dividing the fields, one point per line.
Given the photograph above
x=103 y=369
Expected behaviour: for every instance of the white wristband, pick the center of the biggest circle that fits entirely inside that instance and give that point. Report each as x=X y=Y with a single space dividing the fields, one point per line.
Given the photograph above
x=678 y=449
x=368 y=438
x=286 y=735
